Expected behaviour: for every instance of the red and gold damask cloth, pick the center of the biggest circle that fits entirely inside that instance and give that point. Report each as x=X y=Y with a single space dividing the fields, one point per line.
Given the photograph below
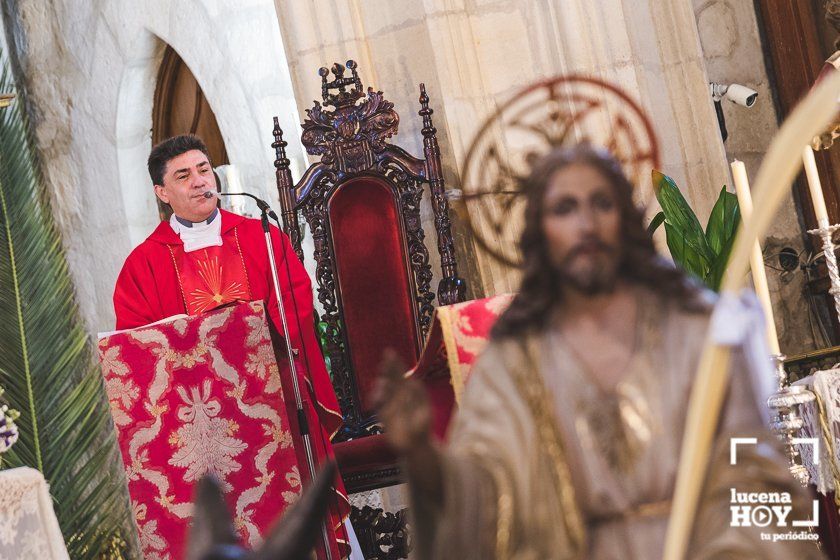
x=206 y=394
x=458 y=334
x=160 y=279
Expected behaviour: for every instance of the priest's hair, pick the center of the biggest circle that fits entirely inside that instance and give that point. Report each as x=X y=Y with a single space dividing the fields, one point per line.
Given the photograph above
x=540 y=291
x=169 y=149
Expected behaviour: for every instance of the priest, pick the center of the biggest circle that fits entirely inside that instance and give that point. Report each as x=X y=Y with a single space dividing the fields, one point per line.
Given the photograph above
x=205 y=257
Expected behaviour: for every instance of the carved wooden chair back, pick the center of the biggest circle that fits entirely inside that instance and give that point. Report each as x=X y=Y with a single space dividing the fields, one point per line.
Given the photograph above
x=361 y=202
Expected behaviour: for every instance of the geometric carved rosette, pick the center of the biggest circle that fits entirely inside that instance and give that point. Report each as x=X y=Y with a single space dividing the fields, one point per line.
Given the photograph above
x=564 y=110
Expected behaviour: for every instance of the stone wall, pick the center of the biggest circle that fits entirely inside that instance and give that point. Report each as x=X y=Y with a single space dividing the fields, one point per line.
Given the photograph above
x=90 y=70
x=474 y=55
x=732 y=49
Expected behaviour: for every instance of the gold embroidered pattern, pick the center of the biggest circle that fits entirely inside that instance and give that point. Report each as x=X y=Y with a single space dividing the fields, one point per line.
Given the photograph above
x=619 y=418
x=242 y=258
x=293 y=478
x=261 y=363
x=178 y=274
x=215 y=291
x=204 y=441
x=533 y=390
x=504 y=513
x=614 y=421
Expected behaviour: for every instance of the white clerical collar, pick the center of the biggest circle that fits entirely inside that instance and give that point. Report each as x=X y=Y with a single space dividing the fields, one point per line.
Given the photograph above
x=198 y=235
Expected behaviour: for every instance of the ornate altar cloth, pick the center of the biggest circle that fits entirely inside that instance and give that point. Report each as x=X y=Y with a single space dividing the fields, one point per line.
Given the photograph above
x=822 y=422
x=826 y=385
x=28 y=527
x=458 y=334
x=193 y=395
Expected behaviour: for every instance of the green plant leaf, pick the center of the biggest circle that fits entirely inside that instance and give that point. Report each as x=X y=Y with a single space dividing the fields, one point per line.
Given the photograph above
x=684 y=253
x=680 y=215
x=723 y=221
x=656 y=222
x=714 y=276
x=47 y=363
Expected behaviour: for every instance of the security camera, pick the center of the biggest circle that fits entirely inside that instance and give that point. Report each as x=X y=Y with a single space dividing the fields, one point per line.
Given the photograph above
x=736 y=93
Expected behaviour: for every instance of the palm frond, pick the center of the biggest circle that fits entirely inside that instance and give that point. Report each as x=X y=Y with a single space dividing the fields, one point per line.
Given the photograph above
x=46 y=361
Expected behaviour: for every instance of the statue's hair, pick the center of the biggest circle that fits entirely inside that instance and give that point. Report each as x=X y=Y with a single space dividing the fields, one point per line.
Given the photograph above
x=541 y=288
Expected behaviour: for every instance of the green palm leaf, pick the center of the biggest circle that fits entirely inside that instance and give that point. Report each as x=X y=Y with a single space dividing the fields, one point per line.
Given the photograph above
x=715 y=274
x=720 y=231
x=46 y=360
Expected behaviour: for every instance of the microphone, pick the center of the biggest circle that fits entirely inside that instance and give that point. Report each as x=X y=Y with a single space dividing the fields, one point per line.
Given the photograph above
x=261 y=204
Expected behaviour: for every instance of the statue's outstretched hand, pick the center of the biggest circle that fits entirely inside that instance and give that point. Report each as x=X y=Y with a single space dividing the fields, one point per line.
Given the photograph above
x=406 y=416
x=403 y=407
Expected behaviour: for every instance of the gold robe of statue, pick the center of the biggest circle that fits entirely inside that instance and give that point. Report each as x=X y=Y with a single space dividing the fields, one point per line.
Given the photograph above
x=541 y=464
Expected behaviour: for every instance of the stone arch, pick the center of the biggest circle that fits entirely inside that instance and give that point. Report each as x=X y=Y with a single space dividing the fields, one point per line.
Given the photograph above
x=236 y=54
x=134 y=136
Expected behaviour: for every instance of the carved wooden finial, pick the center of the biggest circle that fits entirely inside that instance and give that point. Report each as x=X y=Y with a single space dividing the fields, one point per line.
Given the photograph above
x=323 y=71
x=279 y=145
x=351 y=64
x=339 y=81
x=426 y=112
x=342 y=97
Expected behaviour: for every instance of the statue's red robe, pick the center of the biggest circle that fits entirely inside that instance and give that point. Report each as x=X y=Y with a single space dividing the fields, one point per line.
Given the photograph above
x=159 y=279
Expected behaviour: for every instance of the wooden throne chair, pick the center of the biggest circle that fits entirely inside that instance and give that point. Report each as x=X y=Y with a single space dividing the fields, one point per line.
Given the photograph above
x=361 y=202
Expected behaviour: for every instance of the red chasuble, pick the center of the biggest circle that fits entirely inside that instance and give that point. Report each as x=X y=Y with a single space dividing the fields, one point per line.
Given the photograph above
x=159 y=279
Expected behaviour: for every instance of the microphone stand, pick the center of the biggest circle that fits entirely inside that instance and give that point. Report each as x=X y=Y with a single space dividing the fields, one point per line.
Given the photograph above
x=303 y=421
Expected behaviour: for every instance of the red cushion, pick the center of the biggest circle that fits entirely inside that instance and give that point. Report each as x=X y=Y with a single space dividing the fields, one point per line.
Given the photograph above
x=376 y=290
x=373 y=452
x=363 y=455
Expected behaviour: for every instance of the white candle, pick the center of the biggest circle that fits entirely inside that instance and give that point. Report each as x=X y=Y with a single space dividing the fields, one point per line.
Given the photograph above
x=237 y=203
x=815 y=187
x=742 y=191
x=232 y=176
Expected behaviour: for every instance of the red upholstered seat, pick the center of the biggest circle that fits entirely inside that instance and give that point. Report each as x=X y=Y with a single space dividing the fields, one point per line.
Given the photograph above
x=368 y=461
x=371 y=463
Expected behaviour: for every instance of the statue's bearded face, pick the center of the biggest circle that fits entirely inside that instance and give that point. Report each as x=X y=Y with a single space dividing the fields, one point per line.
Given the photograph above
x=581 y=222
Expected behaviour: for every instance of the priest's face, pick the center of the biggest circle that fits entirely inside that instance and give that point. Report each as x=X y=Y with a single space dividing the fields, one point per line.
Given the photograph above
x=185 y=180
x=581 y=222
